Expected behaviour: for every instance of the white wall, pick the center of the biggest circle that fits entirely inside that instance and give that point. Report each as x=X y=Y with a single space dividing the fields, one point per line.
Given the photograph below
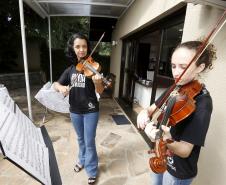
x=140 y=13
x=212 y=163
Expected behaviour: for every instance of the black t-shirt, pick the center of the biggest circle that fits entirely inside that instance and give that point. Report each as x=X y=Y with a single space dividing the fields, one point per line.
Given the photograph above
x=82 y=95
x=193 y=130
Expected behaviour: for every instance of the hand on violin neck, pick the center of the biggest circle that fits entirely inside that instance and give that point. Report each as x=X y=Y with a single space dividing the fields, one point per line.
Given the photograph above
x=166 y=133
x=142 y=119
x=97 y=79
x=98 y=82
x=151 y=131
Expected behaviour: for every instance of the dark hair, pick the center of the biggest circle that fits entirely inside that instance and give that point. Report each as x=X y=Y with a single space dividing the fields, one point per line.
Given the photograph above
x=70 y=53
x=207 y=56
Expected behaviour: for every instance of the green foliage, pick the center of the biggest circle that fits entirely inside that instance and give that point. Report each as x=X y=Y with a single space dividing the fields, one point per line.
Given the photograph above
x=64 y=27
x=36 y=29
x=105 y=48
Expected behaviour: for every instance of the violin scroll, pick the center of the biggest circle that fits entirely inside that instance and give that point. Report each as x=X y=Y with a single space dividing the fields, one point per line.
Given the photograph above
x=158 y=164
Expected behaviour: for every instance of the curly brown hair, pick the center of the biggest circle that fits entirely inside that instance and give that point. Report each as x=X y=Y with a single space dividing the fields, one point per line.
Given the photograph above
x=207 y=57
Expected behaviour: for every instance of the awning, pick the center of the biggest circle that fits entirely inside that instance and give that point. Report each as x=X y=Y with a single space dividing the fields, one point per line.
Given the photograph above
x=103 y=13
x=90 y=8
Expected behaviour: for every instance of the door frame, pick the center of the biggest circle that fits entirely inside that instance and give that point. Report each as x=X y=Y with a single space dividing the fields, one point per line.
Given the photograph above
x=175 y=18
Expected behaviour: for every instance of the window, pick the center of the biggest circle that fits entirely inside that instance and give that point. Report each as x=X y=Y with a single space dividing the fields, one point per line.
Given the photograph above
x=171 y=38
x=148 y=51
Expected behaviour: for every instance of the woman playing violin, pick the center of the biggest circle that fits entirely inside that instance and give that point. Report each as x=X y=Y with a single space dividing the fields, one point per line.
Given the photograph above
x=185 y=139
x=84 y=105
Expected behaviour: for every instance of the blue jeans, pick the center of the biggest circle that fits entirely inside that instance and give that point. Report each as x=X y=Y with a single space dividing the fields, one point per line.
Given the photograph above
x=167 y=179
x=85 y=126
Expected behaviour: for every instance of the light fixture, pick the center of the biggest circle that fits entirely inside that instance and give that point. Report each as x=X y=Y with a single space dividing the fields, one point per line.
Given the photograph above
x=114 y=43
x=9 y=18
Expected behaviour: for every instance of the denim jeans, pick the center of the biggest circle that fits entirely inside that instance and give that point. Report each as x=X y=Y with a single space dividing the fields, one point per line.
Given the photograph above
x=85 y=126
x=167 y=179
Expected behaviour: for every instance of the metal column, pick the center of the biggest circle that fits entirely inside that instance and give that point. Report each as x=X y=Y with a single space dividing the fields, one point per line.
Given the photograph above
x=50 y=51
x=25 y=58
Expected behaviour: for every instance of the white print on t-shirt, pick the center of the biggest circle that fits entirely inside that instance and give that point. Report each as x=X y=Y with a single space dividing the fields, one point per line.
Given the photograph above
x=170 y=162
x=91 y=106
x=78 y=80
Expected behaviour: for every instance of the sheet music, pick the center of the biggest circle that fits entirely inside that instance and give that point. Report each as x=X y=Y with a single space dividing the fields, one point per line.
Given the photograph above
x=7 y=100
x=28 y=127
x=52 y=99
x=22 y=141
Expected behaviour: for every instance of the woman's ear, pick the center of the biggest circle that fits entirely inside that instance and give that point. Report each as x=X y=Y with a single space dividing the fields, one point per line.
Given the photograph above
x=201 y=67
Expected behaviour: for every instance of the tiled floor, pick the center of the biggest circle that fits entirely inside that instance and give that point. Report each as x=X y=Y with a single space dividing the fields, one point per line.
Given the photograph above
x=123 y=158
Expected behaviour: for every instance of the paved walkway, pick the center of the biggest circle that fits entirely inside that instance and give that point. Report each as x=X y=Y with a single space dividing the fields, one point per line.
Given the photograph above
x=123 y=158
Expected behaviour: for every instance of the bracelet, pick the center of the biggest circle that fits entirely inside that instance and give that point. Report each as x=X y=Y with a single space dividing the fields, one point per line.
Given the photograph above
x=169 y=141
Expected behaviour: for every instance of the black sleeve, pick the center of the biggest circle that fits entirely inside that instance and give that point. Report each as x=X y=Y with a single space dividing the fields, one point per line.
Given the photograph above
x=65 y=77
x=196 y=130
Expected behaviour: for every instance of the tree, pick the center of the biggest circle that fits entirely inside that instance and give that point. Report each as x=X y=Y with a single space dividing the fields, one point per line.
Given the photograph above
x=36 y=28
x=10 y=32
x=64 y=27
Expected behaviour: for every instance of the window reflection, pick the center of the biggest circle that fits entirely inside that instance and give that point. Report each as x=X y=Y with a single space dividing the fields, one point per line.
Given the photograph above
x=148 y=51
x=171 y=38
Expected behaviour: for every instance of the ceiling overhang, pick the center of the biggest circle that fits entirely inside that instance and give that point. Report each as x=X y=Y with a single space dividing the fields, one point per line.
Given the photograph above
x=90 y=8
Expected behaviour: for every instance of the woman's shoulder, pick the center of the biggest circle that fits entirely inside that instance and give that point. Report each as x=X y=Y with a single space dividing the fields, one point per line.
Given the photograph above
x=69 y=68
x=204 y=92
x=204 y=99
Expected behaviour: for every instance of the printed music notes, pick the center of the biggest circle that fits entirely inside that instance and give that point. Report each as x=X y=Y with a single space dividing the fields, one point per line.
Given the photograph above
x=21 y=141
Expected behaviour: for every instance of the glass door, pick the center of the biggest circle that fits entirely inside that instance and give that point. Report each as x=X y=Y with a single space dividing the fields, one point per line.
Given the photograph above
x=171 y=37
x=127 y=76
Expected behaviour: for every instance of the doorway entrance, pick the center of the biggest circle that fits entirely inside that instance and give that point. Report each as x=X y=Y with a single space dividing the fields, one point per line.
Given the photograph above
x=128 y=73
x=145 y=66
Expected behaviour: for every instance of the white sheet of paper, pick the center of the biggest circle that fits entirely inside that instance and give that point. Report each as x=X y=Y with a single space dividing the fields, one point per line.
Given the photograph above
x=52 y=99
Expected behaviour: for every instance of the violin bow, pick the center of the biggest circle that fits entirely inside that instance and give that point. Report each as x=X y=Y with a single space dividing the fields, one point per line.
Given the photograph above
x=97 y=44
x=94 y=48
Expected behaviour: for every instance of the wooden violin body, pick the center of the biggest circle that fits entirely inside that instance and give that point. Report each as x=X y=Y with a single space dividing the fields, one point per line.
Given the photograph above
x=185 y=103
x=82 y=66
x=90 y=67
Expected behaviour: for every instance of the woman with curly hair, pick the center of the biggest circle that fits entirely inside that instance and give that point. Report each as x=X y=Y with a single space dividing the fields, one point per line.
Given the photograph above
x=185 y=139
x=84 y=105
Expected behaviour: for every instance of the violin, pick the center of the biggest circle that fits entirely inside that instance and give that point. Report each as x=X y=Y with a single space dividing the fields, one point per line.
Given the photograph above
x=177 y=104
x=87 y=66
x=184 y=103
x=90 y=67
